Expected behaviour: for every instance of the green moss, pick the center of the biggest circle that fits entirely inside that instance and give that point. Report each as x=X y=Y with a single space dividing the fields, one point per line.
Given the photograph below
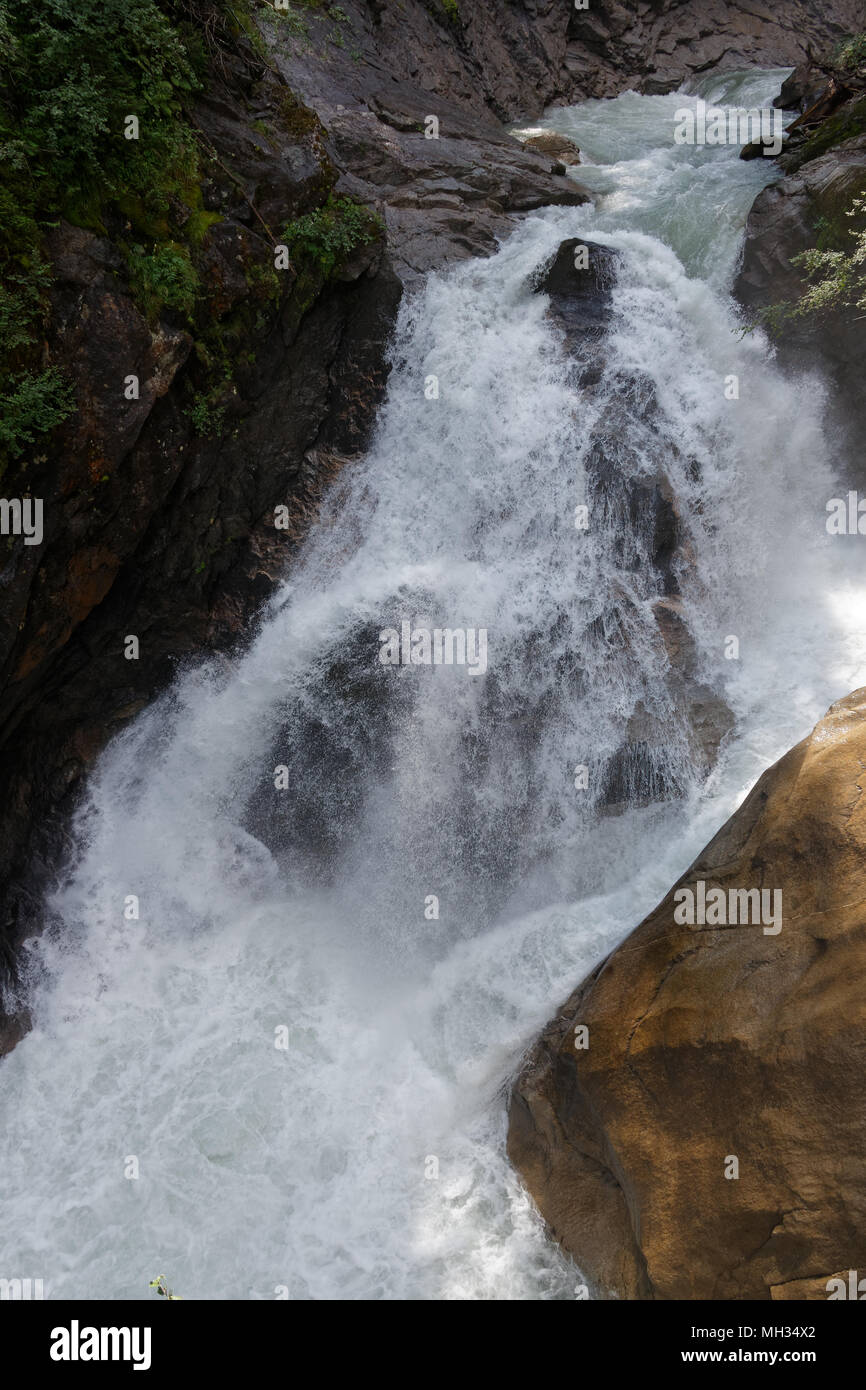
x=844 y=124
x=296 y=119
x=199 y=224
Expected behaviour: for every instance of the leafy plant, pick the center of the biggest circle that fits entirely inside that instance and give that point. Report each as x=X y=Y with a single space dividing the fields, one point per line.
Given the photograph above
x=162 y=1288
x=36 y=402
x=207 y=419
x=850 y=53
x=164 y=278
x=325 y=238
x=73 y=70
x=837 y=278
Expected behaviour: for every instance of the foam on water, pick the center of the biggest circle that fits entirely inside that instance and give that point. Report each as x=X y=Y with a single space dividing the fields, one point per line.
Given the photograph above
x=306 y=1167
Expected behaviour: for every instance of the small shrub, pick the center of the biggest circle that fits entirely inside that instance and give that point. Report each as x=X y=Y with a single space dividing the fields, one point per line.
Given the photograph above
x=850 y=53
x=207 y=419
x=327 y=237
x=36 y=403
x=163 y=278
x=162 y=1288
x=837 y=278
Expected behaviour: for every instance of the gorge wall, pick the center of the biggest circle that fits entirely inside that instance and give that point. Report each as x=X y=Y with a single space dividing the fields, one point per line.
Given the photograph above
x=810 y=207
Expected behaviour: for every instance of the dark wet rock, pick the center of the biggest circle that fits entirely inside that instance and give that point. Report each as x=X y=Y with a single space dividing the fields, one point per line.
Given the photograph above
x=654 y=48
x=786 y=220
x=813 y=138
x=756 y=149
x=580 y=294
x=641 y=510
x=802 y=87
x=13 y=1027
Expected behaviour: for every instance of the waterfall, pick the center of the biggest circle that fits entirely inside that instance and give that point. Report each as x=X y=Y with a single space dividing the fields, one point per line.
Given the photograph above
x=304 y=1038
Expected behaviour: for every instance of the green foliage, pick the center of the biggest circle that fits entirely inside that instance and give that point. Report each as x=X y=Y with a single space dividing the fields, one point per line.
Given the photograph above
x=451 y=10
x=163 y=278
x=162 y=1288
x=207 y=418
x=36 y=402
x=72 y=72
x=292 y=21
x=836 y=278
x=325 y=238
x=850 y=53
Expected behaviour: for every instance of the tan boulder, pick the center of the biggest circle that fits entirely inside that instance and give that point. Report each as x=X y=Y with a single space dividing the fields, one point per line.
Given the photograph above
x=551 y=143
x=719 y=1047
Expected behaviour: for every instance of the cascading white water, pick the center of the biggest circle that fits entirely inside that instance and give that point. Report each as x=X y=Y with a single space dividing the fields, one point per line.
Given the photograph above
x=310 y=1168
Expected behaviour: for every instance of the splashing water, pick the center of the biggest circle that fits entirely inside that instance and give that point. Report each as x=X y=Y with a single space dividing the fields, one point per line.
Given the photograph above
x=365 y=1157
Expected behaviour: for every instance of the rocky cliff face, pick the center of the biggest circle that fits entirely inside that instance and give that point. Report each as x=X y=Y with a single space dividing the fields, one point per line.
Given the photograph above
x=824 y=170
x=703 y=1137
x=513 y=57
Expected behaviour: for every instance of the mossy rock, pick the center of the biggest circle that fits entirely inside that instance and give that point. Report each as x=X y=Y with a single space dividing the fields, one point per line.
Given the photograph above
x=846 y=123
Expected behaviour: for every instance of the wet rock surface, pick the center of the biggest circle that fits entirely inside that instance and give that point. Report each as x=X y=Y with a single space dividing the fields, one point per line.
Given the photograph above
x=707 y=1043
x=789 y=217
x=558 y=147
x=643 y=510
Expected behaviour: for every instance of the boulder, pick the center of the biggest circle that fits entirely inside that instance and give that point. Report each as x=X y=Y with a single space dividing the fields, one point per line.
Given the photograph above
x=550 y=142
x=802 y=87
x=645 y=514
x=580 y=296
x=786 y=219
x=708 y=1141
